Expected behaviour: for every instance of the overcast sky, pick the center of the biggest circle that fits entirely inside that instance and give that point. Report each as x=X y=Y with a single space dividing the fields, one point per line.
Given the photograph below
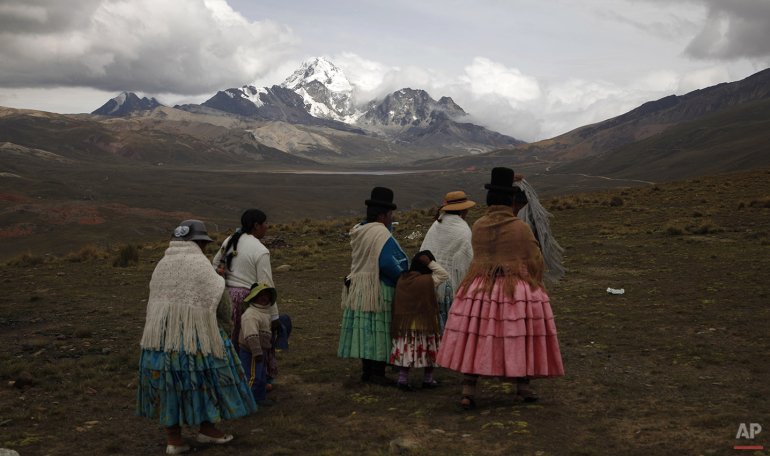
x=532 y=69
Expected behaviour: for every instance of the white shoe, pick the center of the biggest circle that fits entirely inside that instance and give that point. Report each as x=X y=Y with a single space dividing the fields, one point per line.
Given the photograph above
x=203 y=438
x=172 y=449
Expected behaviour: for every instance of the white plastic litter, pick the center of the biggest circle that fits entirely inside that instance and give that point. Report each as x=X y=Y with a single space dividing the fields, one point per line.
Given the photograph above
x=414 y=235
x=615 y=291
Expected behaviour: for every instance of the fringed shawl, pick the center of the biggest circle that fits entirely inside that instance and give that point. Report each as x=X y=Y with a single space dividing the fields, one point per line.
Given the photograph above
x=415 y=305
x=504 y=246
x=364 y=293
x=536 y=216
x=184 y=294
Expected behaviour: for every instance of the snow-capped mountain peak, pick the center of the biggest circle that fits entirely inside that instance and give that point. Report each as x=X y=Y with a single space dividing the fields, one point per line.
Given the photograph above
x=321 y=70
x=325 y=90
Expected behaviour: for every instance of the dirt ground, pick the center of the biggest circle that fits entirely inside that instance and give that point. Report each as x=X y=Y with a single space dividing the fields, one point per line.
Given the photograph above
x=673 y=366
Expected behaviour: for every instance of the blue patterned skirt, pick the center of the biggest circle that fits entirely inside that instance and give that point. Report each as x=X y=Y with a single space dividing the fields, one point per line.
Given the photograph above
x=178 y=388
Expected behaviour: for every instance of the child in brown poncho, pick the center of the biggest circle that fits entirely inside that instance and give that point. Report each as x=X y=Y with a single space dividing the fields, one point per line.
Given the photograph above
x=415 y=327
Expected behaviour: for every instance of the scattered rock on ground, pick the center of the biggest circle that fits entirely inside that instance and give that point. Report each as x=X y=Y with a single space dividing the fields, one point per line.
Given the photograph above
x=401 y=444
x=5 y=452
x=24 y=379
x=283 y=267
x=438 y=431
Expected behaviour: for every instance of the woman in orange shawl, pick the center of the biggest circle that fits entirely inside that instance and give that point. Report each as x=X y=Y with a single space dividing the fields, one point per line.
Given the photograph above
x=500 y=323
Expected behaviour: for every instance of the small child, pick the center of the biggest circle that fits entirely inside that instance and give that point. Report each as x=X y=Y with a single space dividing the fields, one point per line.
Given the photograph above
x=415 y=326
x=255 y=338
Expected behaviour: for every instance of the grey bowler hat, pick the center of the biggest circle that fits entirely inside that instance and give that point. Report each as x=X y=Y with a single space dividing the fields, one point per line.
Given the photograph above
x=191 y=230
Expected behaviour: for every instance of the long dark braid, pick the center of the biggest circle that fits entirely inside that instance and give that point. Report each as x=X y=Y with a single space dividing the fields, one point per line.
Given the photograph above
x=248 y=220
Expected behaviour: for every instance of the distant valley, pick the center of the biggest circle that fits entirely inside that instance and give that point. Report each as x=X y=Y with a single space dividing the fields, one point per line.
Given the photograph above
x=133 y=168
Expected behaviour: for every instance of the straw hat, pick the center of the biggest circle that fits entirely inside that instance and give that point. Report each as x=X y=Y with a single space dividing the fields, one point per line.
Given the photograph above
x=456 y=201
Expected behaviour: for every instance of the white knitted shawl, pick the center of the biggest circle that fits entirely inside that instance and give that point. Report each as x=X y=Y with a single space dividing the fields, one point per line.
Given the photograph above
x=364 y=293
x=184 y=294
x=450 y=242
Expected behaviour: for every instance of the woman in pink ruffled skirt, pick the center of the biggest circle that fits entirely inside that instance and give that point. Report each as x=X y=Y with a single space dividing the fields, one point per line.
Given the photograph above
x=500 y=323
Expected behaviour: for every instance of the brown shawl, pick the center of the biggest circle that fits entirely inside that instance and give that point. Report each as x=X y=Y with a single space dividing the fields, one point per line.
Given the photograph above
x=415 y=305
x=504 y=246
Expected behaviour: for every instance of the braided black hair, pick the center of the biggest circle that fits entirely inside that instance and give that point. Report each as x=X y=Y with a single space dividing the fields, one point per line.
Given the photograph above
x=249 y=218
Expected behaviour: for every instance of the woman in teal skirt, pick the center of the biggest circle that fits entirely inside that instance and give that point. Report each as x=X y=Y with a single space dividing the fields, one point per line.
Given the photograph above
x=189 y=372
x=377 y=263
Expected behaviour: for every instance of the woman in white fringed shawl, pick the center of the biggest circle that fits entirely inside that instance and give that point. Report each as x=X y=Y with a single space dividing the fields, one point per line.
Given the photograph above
x=189 y=372
x=449 y=239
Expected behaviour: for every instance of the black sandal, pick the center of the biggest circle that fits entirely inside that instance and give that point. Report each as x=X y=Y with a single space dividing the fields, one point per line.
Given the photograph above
x=470 y=405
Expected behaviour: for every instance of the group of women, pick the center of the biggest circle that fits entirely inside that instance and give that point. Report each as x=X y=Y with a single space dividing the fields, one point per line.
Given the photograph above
x=495 y=312
x=497 y=316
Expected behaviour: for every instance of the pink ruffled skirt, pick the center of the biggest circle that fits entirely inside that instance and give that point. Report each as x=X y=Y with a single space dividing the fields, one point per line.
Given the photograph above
x=501 y=336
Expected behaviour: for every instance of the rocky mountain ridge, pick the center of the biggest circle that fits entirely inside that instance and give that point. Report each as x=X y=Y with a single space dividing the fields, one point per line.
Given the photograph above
x=319 y=95
x=125 y=103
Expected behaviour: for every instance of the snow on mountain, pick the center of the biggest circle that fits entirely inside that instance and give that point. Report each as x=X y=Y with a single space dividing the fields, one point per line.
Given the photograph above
x=326 y=91
x=321 y=70
x=250 y=93
x=119 y=100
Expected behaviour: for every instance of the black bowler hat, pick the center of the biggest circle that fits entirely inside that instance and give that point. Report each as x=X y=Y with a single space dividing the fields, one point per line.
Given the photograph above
x=382 y=197
x=502 y=181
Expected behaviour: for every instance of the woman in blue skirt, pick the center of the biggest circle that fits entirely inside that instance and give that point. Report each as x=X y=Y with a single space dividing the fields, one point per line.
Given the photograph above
x=189 y=372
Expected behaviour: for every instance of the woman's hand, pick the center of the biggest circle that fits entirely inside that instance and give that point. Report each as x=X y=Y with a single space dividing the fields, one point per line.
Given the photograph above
x=275 y=325
x=258 y=359
x=424 y=260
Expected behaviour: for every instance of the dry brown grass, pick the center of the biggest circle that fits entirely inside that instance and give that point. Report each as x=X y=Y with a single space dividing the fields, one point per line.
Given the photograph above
x=671 y=367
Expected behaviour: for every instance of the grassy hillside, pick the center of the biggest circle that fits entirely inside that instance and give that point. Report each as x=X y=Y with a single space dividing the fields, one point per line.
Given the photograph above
x=730 y=140
x=671 y=367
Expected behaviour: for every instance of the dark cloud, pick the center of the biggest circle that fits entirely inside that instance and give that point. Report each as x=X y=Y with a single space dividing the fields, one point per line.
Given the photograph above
x=45 y=16
x=173 y=46
x=734 y=29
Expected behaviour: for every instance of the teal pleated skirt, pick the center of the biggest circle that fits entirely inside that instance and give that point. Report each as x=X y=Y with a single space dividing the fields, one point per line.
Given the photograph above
x=366 y=335
x=178 y=388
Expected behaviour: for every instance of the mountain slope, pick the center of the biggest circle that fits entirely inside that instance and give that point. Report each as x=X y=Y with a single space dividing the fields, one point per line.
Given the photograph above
x=727 y=140
x=410 y=116
x=139 y=139
x=645 y=121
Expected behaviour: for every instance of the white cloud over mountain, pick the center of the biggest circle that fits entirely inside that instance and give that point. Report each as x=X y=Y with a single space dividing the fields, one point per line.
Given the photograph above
x=179 y=46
